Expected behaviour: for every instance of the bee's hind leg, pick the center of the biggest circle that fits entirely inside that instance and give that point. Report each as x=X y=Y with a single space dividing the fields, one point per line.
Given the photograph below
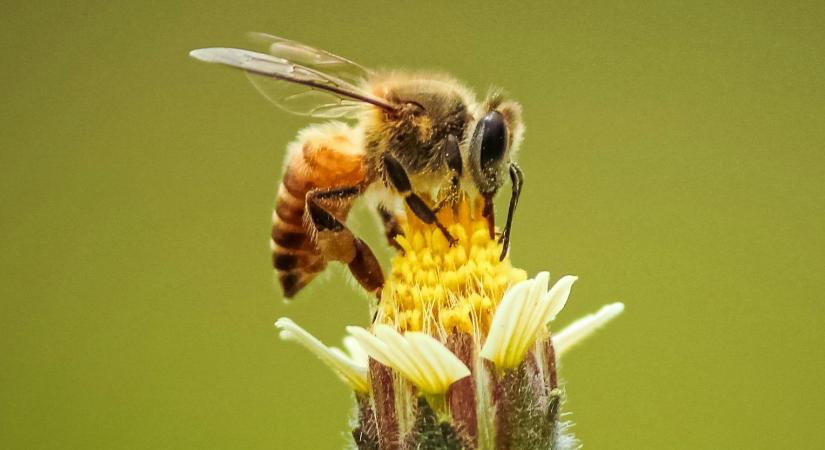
x=397 y=176
x=336 y=242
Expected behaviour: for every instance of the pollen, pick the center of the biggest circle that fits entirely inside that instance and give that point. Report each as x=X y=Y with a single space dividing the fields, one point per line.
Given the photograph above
x=438 y=288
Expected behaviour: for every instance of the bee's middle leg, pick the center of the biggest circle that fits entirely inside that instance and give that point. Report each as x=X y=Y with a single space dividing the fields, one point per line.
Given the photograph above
x=397 y=176
x=336 y=242
x=392 y=227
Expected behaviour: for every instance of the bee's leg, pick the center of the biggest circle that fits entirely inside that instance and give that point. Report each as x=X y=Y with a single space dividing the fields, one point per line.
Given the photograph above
x=401 y=182
x=448 y=199
x=452 y=197
x=517 y=179
x=392 y=227
x=488 y=213
x=336 y=242
x=452 y=155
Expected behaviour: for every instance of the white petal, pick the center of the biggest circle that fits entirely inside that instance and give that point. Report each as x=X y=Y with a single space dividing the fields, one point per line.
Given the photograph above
x=374 y=347
x=548 y=304
x=524 y=333
x=584 y=327
x=357 y=352
x=521 y=316
x=403 y=355
x=506 y=315
x=557 y=297
x=346 y=367
x=418 y=357
x=441 y=362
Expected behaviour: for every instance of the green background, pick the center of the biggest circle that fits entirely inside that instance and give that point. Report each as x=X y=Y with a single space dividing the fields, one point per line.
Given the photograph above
x=674 y=161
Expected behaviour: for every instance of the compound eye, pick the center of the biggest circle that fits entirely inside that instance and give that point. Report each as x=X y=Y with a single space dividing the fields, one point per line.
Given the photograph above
x=493 y=136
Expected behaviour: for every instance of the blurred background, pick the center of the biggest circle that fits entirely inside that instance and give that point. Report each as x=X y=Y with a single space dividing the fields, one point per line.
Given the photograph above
x=674 y=161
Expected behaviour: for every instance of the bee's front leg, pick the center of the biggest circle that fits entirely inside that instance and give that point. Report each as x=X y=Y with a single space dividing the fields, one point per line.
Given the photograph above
x=517 y=180
x=452 y=156
x=397 y=176
x=336 y=242
x=401 y=182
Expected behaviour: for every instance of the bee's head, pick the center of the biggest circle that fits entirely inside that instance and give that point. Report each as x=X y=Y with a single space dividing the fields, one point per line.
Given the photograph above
x=493 y=143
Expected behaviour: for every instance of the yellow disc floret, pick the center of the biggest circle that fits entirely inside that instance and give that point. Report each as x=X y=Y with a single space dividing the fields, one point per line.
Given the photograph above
x=440 y=289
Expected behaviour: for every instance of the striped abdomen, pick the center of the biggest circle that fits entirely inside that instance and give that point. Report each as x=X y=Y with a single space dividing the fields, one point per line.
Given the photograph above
x=323 y=156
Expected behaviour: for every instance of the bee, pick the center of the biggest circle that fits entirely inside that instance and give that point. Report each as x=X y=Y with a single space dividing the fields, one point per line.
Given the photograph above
x=413 y=138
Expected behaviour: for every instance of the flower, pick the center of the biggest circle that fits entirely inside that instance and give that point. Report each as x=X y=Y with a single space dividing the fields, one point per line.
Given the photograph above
x=460 y=354
x=437 y=288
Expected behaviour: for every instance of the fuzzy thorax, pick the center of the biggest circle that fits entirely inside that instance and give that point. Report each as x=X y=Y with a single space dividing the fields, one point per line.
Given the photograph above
x=441 y=289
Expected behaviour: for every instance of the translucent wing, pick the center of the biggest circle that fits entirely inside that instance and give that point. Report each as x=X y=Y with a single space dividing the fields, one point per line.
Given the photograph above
x=313 y=58
x=303 y=100
x=294 y=87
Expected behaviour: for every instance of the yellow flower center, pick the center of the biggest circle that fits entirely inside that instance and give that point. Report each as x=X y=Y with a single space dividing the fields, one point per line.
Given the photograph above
x=440 y=289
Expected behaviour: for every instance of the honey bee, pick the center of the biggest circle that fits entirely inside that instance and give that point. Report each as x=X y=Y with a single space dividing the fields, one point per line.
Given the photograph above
x=411 y=137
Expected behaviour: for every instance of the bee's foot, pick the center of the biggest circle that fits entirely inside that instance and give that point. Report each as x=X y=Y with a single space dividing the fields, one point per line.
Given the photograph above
x=452 y=240
x=504 y=251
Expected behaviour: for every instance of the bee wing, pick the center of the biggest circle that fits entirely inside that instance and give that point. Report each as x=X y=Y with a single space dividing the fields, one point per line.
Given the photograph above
x=312 y=57
x=294 y=87
x=305 y=101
